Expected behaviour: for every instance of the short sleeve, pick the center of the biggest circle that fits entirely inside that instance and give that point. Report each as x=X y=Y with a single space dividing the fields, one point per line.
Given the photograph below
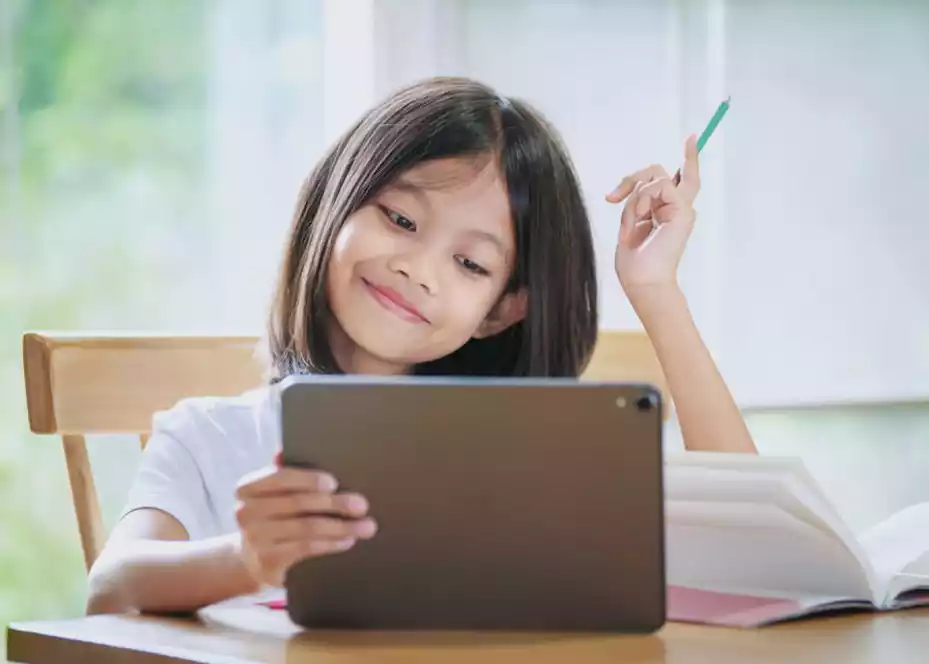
x=169 y=479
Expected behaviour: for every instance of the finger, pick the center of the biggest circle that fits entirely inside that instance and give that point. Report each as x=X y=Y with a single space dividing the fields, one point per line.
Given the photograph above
x=629 y=218
x=658 y=193
x=273 y=479
x=289 y=505
x=661 y=190
x=643 y=205
x=639 y=234
x=311 y=528
x=276 y=559
x=690 y=173
x=628 y=183
x=625 y=187
x=324 y=547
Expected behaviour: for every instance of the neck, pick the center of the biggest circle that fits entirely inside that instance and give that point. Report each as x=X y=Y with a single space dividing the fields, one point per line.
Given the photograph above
x=352 y=359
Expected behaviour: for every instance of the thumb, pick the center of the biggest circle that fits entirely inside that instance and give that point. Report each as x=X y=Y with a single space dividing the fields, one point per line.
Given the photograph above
x=690 y=147
x=628 y=219
x=690 y=173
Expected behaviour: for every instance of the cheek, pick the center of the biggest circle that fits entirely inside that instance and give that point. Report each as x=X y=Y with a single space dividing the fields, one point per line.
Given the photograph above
x=470 y=304
x=338 y=269
x=362 y=238
x=345 y=241
x=352 y=246
x=345 y=255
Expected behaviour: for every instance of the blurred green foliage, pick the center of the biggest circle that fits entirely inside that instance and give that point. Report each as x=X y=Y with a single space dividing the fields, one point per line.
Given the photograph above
x=102 y=113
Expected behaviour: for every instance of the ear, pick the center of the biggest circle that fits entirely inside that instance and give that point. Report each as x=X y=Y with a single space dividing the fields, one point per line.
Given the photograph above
x=508 y=311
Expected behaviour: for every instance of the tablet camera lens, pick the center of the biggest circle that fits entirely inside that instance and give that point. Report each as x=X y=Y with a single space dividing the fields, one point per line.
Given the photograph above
x=646 y=402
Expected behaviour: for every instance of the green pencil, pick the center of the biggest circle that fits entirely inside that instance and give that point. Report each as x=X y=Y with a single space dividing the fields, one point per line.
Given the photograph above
x=710 y=128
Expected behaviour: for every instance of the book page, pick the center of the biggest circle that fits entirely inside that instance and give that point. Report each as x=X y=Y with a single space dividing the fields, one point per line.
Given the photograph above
x=788 y=469
x=755 y=486
x=757 y=549
x=899 y=550
x=780 y=481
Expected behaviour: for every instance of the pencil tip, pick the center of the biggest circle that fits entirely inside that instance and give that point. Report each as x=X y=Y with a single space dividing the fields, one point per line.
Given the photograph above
x=728 y=99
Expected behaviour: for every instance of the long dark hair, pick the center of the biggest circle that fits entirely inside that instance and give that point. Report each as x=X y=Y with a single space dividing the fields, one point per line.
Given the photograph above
x=440 y=118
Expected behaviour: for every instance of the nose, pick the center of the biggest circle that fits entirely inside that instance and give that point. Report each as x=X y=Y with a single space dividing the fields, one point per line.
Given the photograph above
x=419 y=266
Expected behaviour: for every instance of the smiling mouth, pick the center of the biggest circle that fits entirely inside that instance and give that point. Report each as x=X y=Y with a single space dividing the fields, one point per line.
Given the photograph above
x=393 y=302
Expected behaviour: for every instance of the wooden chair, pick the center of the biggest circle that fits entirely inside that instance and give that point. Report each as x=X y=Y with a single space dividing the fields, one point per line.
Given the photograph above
x=80 y=385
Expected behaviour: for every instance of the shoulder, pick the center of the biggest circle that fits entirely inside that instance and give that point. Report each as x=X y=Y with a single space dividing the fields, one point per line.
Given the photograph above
x=246 y=421
x=198 y=451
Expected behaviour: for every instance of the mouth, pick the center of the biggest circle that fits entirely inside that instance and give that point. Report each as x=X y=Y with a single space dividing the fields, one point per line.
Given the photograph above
x=395 y=303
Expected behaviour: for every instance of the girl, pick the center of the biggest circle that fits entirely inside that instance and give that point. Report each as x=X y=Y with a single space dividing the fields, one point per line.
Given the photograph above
x=444 y=233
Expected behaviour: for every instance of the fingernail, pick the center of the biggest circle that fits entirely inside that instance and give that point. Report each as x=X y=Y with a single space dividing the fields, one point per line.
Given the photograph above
x=327 y=483
x=342 y=545
x=367 y=528
x=356 y=504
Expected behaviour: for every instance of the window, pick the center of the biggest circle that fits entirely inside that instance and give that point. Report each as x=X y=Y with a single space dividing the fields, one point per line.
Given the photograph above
x=151 y=153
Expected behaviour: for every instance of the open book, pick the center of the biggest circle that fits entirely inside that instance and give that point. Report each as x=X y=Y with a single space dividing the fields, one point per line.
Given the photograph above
x=753 y=540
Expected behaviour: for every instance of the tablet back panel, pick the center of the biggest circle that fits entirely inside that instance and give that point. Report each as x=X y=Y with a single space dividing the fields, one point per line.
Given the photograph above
x=519 y=505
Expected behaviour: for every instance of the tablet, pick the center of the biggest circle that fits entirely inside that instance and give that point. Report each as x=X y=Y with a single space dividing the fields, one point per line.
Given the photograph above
x=501 y=504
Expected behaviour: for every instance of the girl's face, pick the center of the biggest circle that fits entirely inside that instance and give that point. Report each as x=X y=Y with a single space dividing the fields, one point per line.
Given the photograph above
x=422 y=269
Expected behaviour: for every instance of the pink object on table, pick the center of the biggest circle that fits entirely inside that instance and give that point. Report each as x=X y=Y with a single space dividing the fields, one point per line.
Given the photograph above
x=715 y=608
x=275 y=604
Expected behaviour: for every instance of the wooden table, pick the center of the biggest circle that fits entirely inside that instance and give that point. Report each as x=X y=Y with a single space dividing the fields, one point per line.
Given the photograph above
x=231 y=634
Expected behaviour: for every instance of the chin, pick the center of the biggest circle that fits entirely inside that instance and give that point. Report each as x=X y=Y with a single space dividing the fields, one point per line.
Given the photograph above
x=386 y=348
x=403 y=351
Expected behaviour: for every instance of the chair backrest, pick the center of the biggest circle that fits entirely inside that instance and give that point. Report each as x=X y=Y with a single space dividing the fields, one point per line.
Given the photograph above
x=78 y=385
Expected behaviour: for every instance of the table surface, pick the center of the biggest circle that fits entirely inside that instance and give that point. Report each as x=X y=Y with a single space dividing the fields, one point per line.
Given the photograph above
x=230 y=634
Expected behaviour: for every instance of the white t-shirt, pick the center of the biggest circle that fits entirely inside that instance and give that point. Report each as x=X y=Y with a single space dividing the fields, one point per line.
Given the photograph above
x=197 y=453
x=201 y=448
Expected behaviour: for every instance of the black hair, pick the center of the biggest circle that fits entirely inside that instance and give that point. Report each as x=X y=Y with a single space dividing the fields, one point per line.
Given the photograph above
x=555 y=263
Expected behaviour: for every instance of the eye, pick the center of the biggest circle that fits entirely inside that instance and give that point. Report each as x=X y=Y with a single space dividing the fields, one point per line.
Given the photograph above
x=470 y=265
x=398 y=219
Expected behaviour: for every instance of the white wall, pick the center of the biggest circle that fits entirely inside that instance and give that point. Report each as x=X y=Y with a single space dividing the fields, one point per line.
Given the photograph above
x=827 y=232
x=806 y=272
